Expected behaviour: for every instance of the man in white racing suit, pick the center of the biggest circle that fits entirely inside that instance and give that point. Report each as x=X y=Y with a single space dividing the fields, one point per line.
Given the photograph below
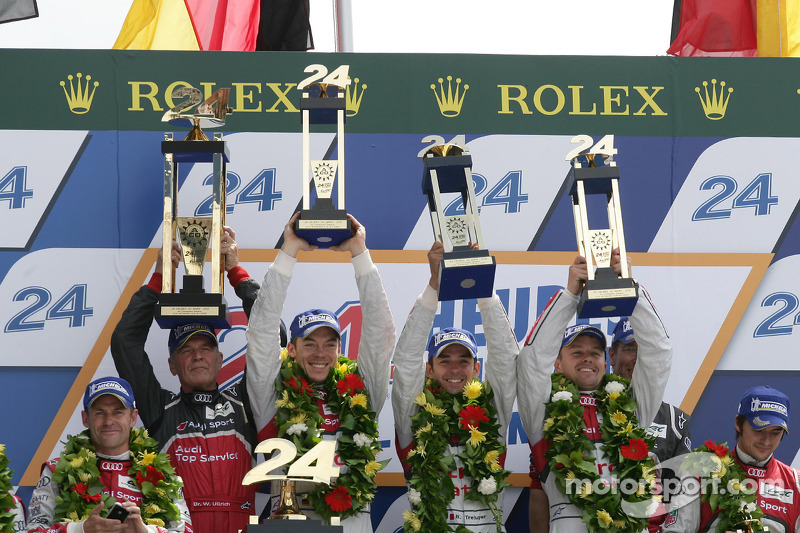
x=452 y=363
x=578 y=352
x=316 y=350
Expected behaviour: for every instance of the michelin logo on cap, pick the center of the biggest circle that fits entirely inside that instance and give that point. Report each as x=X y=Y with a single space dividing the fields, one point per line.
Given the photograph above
x=94 y=387
x=451 y=335
x=774 y=407
x=308 y=319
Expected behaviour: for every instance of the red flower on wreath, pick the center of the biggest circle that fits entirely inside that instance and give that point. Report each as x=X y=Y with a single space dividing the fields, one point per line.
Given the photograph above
x=636 y=449
x=338 y=499
x=153 y=476
x=472 y=415
x=718 y=449
x=350 y=385
x=300 y=385
x=82 y=488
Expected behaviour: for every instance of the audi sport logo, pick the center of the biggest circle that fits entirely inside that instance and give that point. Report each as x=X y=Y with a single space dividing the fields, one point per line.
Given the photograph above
x=203 y=398
x=115 y=467
x=752 y=471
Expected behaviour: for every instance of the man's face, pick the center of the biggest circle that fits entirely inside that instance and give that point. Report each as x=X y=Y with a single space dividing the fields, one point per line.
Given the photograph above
x=453 y=368
x=109 y=424
x=196 y=364
x=317 y=353
x=623 y=358
x=583 y=362
x=759 y=444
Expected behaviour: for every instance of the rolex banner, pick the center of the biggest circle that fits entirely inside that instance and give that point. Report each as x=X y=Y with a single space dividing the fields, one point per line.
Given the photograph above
x=708 y=186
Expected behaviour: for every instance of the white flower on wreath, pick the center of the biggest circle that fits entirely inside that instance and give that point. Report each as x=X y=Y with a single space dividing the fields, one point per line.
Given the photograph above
x=414 y=497
x=488 y=485
x=296 y=429
x=748 y=508
x=613 y=387
x=562 y=395
x=362 y=440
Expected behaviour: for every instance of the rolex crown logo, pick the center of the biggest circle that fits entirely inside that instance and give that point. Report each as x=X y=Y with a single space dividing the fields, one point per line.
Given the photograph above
x=714 y=106
x=80 y=100
x=353 y=97
x=450 y=100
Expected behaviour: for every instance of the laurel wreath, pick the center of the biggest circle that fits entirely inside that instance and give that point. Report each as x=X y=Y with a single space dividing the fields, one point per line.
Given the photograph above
x=736 y=504
x=299 y=420
x=80 y=490
x=472 y=424
x=625 y=445
x=7 y=505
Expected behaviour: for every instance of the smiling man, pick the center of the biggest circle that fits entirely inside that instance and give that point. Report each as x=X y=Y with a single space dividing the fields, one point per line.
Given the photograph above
x=761 y=423
x=315 y=346
x=208 y=432
x=452 y=366
x=102 y=462
x=578 y=353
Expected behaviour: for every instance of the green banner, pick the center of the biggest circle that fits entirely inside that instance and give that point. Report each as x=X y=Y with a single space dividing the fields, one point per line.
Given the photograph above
x=405 y=93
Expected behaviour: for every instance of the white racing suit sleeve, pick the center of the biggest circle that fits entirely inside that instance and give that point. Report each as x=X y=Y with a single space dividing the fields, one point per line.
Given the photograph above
x=501 y=359
x=536 y=360
x=409 y=363
x=377 y=331
x=263 y=339
x=653 y=361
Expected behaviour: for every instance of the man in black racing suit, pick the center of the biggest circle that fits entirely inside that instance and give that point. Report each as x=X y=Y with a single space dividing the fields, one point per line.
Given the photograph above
x=208 y=433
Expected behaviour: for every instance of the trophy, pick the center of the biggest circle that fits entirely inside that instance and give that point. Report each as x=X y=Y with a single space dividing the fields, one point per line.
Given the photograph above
x=605 y=293
x=195 y=234
x=300 y=477
x=324 y=225
x=464 y=273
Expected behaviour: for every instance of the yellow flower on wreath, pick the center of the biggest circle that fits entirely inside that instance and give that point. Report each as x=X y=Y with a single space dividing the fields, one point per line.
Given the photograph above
x=432 y=409
x=358 y=399
x=475 y=436
x=412 y=519
x=77 y=462
x=155 y=522
x=604 y=518
x=299 y=418
x=421 y=400
x=619 y=417
x=344 y=368
x=372 y=468
x=548 y=423
x=424 y=429
x=473 y=389
x=85 y=476
x=148 y=458
x=152 y=509
x=491 y=456
x=283 y=401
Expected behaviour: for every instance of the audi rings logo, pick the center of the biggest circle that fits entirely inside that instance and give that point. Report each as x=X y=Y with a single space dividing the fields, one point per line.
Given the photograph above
x=202 y=398
x=752 y=471
x=108 y=465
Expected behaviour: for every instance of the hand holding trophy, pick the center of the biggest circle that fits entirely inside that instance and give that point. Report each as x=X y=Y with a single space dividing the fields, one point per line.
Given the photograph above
x=466 y=271
x=594 y=172
x=195 y=234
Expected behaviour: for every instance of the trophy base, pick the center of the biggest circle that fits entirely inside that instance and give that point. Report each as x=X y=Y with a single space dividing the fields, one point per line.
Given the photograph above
x=323 y=227
x=292 y=526
x=608 y=295
x=466 y=274
x=185 y=308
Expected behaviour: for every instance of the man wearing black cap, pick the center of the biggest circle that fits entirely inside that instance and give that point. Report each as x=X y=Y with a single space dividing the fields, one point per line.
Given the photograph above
x=315 y=346
x=761 y=423
x=578 y=353
x=208 y=433
x=109 y=462
x=453 y=366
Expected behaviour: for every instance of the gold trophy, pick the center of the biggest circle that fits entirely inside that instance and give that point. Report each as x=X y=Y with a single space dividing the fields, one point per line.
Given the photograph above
x=605 y=293
x=464 y=273
x=325 y=224
x=195 y=234
x=301 y=477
